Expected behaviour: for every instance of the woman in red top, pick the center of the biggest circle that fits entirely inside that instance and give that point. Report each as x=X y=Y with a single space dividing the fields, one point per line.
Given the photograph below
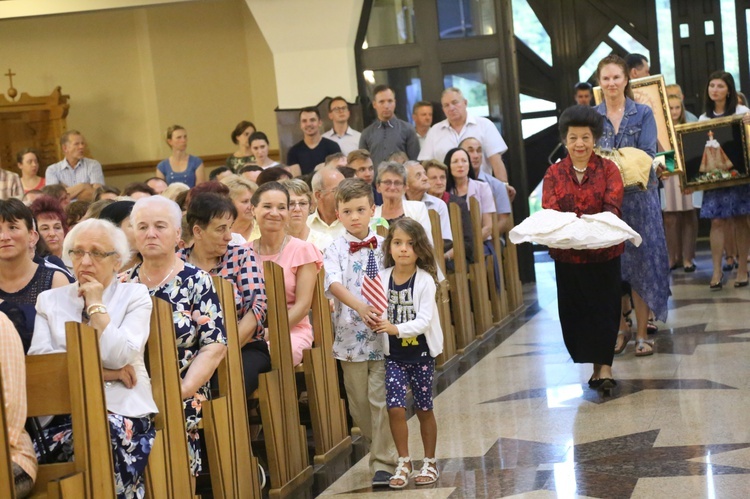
x=588 y=281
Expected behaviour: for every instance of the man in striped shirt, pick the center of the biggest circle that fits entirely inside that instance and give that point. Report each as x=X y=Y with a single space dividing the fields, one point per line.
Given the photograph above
x=80 y=175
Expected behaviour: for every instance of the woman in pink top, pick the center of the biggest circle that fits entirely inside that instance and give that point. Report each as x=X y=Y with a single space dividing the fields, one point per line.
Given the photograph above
x=300 y=260
x=13 y=369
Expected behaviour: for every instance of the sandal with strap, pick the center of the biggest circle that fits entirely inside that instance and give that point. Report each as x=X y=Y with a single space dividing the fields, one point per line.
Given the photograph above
x=402 y=473
x=640 y=348
x=625 y=339
x=429 y=471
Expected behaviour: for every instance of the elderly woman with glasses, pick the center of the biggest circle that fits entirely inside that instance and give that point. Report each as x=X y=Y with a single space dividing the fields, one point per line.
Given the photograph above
x=198 y=319
x=209 y=218
x=391 y=184
x=300 y=207
x=120 y=313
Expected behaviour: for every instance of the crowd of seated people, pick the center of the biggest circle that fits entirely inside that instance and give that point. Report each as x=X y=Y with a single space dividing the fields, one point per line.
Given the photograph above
x=79 y=249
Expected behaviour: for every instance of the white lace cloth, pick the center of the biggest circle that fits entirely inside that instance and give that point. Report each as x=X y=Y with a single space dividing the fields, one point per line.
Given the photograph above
x=564 y=230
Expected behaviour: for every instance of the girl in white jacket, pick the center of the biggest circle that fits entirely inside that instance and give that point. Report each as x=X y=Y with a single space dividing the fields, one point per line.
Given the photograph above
x=413 y=340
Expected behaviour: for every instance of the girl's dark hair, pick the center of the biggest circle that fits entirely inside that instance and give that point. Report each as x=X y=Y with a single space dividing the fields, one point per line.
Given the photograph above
x=24 y=152
x=273 y=174
x=583 y=116
x=268 y=186
x=206 y=206
x=241 y=127
x=258 y=136
x=47 y=205
x=422 y=246
x=617 y=61
x=450 y=182
x=13 y=210
x=731 y=106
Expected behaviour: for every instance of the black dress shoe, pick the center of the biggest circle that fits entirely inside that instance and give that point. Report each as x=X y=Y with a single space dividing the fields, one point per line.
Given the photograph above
x=689 y=268
x=607 y=384
x=595 y=383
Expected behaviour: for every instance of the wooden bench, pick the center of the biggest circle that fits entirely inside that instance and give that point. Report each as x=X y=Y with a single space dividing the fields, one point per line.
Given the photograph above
x=459 y=285
x=497 y=292
x=71 y=383
x=168 y=471
x=512 y=278
x=285 y=438
x=234 y=469
x=443 y=298
x=327 y=408
x=480 y=300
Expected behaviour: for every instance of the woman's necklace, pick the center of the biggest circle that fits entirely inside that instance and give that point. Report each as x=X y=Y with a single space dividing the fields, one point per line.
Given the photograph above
x=278 y=253
x=151 y=282
x=580 y=170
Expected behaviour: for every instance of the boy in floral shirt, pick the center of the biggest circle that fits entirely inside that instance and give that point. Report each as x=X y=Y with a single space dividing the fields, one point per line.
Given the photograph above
x=355 y=344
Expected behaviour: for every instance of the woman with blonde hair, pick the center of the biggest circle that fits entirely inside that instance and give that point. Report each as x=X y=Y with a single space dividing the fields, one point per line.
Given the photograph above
x=241 y=192
x=300 y=207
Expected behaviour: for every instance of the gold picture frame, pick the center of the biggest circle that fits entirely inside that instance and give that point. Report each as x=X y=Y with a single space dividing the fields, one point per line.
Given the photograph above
x=715 y=153
x=652 y=91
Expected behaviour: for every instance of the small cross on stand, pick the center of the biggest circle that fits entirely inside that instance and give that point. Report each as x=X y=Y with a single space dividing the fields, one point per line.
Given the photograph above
x=12 y=92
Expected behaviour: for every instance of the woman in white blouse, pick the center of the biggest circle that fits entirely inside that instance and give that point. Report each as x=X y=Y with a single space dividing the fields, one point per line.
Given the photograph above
x=120 y=313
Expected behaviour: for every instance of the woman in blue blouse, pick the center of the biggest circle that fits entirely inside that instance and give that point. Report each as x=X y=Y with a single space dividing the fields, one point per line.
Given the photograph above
x=646 y=268
x=180 y=166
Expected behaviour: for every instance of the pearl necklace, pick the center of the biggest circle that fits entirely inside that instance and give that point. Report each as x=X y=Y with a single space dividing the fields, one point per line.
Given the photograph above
x=580 y=170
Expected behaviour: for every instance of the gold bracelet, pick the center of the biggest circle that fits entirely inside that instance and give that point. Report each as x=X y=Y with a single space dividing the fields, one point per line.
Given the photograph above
x=96 y=308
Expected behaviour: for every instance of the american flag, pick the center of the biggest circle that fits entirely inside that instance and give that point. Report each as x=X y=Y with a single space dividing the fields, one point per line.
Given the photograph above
x=372 y=287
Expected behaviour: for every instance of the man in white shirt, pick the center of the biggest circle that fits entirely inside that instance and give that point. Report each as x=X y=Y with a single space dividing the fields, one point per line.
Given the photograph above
x=342 y=133
x=324 y=224
x=422 y=116
x=80 y=175
x=417 y=185
x=447 y=134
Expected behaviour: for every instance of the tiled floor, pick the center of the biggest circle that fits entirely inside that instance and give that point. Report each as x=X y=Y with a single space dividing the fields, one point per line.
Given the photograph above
x=517 y=418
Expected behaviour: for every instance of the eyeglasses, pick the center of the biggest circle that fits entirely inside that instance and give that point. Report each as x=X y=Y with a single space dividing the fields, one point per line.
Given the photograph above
x=339 y=109
x=392 y=183
x=302 y=205
x=98 y=256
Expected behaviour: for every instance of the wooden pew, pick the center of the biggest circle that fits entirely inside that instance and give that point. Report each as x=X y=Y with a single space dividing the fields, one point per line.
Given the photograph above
x=512 y=278
x=235 y=467
x=286 y=439
x=498 y=299
x=71 y=486
x=168 y=471
x=480 y=299
x=443 y=299
x=327 y=408
x=71 y=383
x=459 y=285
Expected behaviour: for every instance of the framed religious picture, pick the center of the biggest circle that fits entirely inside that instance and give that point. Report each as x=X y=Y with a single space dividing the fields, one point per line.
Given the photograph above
x=652 y=91
x=715 y=153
